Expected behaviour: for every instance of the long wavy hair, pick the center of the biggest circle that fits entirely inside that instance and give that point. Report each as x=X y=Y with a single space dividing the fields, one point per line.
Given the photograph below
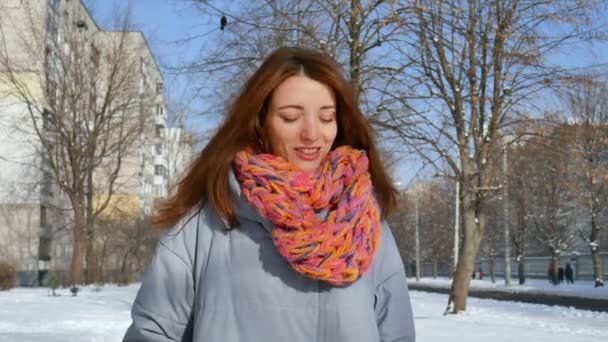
x=207 y=181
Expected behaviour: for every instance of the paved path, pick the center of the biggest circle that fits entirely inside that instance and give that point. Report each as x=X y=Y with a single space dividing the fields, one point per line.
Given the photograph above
x=535 y=298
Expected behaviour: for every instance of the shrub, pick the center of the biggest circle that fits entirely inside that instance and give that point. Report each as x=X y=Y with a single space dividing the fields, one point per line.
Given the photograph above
x=8 y=276
x=52 y=283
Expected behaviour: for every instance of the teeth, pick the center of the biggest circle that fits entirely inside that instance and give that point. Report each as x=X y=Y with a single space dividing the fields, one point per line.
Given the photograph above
x=308 y=150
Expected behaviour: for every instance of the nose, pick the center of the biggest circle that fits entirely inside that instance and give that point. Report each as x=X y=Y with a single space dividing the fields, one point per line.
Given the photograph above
x=310 y=130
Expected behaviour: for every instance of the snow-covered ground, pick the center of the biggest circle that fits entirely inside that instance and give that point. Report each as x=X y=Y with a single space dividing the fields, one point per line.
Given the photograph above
x=95 y=316
x=578 y=289
x=29 y=314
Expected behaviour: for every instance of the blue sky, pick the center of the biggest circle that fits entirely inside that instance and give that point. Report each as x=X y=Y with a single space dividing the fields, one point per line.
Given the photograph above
x=165 y=21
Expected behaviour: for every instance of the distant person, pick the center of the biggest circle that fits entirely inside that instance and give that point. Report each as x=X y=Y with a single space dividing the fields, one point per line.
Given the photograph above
x=480 y=274
x=560 y=274
x=279 y=230
x=551 y=274
x=569 y=274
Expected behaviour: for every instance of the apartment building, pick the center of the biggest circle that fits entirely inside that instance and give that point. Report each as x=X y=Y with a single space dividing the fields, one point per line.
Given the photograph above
x=38 y=38
x=180 y=152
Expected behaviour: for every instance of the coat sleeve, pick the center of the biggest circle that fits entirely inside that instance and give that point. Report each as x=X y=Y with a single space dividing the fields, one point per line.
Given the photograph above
x=392 y=300
x=162 y=310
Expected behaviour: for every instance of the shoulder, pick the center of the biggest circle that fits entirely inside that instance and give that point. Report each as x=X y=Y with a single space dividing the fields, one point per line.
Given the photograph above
x=192 y=233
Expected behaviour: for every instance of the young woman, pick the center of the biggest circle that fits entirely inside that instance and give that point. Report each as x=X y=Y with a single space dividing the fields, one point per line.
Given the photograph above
x=278 y=231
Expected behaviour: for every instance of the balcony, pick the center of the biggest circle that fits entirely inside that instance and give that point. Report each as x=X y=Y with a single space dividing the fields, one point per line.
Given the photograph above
x=159 y=159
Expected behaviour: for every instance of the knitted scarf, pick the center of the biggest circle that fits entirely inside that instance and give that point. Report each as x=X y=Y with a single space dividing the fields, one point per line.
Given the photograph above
x=337 y=250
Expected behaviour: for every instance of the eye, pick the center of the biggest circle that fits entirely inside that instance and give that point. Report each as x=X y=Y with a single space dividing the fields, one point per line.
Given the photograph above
x=328 y=117
x=289 y=117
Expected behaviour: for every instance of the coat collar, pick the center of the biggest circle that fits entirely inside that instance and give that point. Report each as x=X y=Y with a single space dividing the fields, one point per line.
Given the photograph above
x=242 y=208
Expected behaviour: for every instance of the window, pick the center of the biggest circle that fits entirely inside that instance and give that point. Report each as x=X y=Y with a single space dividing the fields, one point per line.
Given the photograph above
x=158 y=148
x=158 y=191
x=159 y=87
x=44 y=248
x=159 y=170
x=43 y=217
x=49 y=120
x=46 y=186
x=51 y=92
x=95 y=57
x=159 y=109
x=159 y=131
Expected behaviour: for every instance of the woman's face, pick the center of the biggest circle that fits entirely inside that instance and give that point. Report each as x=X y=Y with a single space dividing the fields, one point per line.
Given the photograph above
x=301 y=121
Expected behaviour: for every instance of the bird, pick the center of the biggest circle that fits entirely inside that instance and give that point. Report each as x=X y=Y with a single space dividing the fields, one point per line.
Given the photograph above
x=223 y=22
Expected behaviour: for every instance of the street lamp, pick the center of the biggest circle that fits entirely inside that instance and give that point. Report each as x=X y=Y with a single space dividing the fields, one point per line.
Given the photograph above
x=417 y=227
x=506 y=140
x=456 y=223
x=456 y=218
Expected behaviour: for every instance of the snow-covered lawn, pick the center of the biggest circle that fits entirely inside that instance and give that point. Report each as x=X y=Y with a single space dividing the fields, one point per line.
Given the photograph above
x=497 y=321
x=31 y=315
x=578 y=289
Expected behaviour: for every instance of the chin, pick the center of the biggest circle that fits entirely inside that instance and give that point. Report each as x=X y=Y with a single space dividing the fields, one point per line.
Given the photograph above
x=307 y=168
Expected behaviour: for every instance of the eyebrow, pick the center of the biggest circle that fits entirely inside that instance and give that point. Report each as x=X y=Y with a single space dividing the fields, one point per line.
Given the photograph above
x=301 y=108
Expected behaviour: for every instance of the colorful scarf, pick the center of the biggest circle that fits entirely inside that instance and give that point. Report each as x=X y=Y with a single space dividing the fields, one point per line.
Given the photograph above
x=337 y=250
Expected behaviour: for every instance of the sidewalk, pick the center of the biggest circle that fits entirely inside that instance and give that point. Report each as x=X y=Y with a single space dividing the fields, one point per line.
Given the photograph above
x=581 y=295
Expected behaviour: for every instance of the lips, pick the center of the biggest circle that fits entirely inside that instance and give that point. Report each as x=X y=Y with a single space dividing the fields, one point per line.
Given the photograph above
x=308 y=153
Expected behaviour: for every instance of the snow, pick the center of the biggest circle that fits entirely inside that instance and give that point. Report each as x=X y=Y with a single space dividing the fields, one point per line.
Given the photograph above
x=29 y=314
x=103 y=314
x=490 y=320
x=578 y=289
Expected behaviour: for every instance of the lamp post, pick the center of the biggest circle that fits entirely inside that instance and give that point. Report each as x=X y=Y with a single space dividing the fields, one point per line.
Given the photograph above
x=417 y=236
x=456 y=223
x=506 y=214
x=456 y=219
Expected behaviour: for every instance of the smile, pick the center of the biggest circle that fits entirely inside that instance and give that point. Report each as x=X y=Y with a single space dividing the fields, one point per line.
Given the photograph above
x=308 y=153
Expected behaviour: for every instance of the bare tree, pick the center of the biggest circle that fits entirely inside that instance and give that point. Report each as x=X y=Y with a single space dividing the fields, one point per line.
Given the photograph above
x=587 y=108
x=519 y=199
x=446 y=78
x=551 y=207
x=403 y=230
x=126 y=245
x=490 y=246
x=80 y=87
x=481 y=63
x=436 y=223
x=358 y=34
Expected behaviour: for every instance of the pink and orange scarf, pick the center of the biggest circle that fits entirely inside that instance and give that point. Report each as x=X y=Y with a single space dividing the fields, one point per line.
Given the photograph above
x=338 y=249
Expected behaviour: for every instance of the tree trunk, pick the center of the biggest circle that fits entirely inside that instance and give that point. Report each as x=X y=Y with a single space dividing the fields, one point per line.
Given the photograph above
x=522 y=253
x=597 y=268
x=594 y=238
x=473 y=222
x=355 y=46
x=77 y=265
x=521 y=269
x=555 y=260
x=123 y=269
x=493 y=267
x=435 y=262
x=101 y=262
x=91 y=273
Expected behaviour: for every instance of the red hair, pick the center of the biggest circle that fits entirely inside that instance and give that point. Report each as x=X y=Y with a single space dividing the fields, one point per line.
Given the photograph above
x=206 y=182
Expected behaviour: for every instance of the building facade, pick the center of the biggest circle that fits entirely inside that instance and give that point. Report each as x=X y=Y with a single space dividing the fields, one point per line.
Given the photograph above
x=42 y=41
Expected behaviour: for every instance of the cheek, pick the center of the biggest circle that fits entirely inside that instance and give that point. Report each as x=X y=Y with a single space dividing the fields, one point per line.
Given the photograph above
x=280 y=137
x=330 y=132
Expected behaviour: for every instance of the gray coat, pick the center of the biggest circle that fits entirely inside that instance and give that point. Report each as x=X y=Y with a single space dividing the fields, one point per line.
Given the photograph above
x=210 y=284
